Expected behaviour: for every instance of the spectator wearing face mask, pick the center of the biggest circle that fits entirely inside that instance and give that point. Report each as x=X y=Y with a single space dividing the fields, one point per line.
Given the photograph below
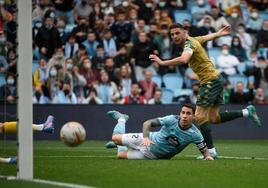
x=61 y=28
x=65 y=95
x=37 y=24
x=192 y=29
x=48 y=37
x=145 y=10
x=207 y=26
x=126 y=6
x=8 y=91
x=226 y=62
x=235 y=19
x=254 y=22
x=53 y=83
x=199 y=10
x=12 y=59
x=66 y=75
x=39 y=97
x=237 y=49
x=164 y=5
x=57 y=59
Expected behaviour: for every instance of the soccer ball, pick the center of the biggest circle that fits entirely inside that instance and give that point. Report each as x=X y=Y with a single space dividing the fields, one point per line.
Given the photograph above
x=72 y=134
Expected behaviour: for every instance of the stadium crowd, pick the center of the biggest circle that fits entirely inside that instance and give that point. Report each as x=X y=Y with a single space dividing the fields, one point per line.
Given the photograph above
x=97 y=52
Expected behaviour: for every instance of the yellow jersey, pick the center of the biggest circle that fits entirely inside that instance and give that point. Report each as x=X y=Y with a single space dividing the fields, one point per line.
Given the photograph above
x=199 y=61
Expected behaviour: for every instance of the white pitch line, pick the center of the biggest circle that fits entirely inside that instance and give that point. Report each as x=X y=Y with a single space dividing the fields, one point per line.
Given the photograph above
x=48 y=182
x=234 y=157
x=60 y=184
x=112 y=156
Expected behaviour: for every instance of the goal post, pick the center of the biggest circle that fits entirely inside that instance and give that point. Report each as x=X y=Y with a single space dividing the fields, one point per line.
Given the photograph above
x=24 y=108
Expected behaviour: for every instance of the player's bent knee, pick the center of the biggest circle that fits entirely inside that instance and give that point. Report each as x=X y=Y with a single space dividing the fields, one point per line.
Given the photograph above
x=122 y=155
x=117 y=139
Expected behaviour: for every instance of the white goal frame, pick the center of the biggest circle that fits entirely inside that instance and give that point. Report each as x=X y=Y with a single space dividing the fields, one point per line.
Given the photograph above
x=24 y=108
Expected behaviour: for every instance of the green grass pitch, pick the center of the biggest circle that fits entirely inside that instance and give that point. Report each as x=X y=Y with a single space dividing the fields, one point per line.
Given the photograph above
x=93 y=165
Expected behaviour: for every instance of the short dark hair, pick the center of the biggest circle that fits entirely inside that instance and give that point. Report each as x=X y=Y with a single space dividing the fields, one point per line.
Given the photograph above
x=189 y=105
x=176 y=25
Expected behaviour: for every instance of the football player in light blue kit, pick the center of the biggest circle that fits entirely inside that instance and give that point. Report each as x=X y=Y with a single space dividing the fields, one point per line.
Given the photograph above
x=176 y=133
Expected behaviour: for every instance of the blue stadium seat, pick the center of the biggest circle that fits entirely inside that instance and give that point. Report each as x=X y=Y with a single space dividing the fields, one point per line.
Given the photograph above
x=238 y=78
x=213 y=54
x=167 y=95
x=241 y=67
x=2 y=79
x=187 y=92
x=174 y=82
x=181 y=15
x=158 y=80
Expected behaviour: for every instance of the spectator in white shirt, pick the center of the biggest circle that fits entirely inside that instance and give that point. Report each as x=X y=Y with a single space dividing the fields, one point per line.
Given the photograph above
x=226 y=62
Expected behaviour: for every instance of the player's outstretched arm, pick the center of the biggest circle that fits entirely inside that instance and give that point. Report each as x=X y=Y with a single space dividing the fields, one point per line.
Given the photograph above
x=207 y=155
x=226 y=30
x=146 y=130
x=204 y=150
x=183 y=59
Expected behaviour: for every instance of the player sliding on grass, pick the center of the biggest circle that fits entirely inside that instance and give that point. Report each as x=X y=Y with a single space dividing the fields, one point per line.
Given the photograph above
x=11 y=127
x=176 y=133
x=211 y=81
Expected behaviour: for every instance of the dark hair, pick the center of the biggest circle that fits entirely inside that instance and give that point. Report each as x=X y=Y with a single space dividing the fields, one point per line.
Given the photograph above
x=176 y=25
x=82 y=47
x=189 y=105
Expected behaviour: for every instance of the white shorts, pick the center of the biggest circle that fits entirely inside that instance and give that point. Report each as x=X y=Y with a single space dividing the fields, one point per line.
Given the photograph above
x=136 y=149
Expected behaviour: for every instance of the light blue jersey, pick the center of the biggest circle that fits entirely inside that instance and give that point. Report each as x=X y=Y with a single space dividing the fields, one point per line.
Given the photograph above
x=172 y=139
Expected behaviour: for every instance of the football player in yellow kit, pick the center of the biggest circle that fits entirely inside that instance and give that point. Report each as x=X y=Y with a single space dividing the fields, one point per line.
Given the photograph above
x=11 y=128
x=211 y=81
